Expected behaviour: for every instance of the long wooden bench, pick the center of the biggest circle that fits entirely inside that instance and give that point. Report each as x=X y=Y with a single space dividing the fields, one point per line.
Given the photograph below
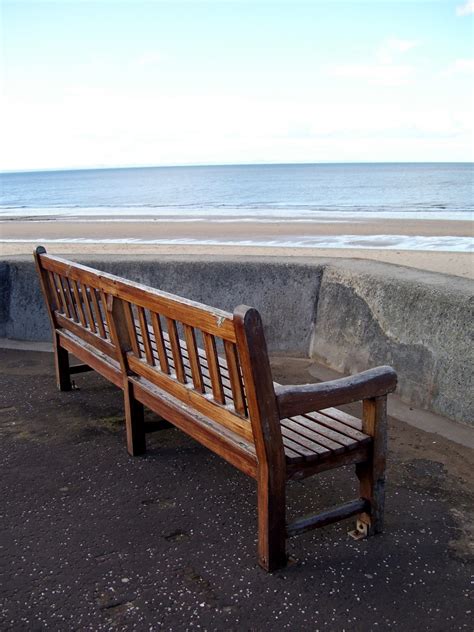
x=207 y=372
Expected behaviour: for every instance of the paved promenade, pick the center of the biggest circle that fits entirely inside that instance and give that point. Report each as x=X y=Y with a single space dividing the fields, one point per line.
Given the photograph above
x=92 y=539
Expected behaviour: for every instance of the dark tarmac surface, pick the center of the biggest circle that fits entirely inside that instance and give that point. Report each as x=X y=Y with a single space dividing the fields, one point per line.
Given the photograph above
x=92 y=539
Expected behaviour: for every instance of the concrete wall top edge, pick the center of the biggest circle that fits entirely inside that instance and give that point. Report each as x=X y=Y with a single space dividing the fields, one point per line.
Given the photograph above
x=347 y=265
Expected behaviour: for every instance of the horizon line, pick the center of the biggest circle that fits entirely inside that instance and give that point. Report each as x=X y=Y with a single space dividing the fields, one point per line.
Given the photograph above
x=239 y=164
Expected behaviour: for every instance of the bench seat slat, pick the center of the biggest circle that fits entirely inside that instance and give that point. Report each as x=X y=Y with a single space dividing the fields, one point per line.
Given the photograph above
x=306 y=454
x=330 y=434
x=312 y=450
x=313 y=434
x=333 y=424
x=344 y=418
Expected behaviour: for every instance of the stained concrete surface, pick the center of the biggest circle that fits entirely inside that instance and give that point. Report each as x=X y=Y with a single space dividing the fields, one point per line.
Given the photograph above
x=419 y=323
x=92 y=539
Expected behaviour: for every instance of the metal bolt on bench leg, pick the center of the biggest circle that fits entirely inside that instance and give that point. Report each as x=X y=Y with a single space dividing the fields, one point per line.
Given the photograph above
x=360 y=532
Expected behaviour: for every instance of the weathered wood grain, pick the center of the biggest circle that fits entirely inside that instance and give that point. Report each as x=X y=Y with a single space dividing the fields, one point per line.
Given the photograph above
x=263 y=411
x=371 y=474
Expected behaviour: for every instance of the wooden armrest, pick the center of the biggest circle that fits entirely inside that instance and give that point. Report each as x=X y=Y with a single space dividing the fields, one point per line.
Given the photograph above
x=304 y=398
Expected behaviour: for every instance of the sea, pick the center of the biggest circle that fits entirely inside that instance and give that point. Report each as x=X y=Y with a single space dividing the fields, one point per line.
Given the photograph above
x=252 y=193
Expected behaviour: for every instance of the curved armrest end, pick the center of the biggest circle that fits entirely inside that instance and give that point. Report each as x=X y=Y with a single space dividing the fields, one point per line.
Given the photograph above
x=305 y=398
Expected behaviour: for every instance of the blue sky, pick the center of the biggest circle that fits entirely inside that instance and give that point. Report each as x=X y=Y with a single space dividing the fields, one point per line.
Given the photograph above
x=105 y=83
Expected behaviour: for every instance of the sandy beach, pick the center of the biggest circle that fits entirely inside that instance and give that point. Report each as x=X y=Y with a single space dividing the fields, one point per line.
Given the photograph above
x=25 y=234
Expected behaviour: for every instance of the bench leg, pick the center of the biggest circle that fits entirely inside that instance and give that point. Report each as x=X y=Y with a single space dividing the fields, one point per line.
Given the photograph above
x=61 y=365
x=271 y=522
x=372 y=473
x=134 y=422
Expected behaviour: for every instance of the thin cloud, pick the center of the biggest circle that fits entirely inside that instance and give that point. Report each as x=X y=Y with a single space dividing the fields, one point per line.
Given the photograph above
x=461 y=66
x=150 y=58
x=465 y=9
x=391 y=48
x=380 y=74
x=384 y=70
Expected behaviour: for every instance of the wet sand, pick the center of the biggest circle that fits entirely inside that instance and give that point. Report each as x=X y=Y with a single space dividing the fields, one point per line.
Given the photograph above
x=28 y=233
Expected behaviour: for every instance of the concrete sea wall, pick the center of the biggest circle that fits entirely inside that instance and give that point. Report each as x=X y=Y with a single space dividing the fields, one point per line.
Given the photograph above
x=349 y=315
x=418 y=322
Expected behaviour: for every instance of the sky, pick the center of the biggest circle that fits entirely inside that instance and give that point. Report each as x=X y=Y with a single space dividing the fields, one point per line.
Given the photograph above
x=106 y=83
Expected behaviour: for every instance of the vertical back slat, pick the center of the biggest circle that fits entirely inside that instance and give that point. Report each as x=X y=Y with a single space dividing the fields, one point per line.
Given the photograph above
x=176 y=350
x=160 y=343
x=63 y=297
x=79 y=309
x=105 y=314
x=72 y=307
x=213 y=366
x=235 y=377
x=146 y=336
x=196 y=372
x=48 y=287
x=54 y=290
x=132 y=332
x=98 y=313
x=86 y=299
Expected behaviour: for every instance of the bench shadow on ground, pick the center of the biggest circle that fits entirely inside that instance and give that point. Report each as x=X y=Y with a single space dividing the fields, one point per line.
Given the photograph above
x=94 y=539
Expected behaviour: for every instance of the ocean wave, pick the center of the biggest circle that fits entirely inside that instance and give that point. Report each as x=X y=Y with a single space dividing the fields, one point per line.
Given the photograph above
x=226 y=213
x=369 y=242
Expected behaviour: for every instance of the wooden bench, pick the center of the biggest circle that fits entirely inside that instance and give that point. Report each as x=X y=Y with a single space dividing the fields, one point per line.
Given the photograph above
x=207 y=372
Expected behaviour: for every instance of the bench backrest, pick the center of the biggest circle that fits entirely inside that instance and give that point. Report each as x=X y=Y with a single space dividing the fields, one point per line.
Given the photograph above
x=212 y=360
x=76 y=300
x=161 y=336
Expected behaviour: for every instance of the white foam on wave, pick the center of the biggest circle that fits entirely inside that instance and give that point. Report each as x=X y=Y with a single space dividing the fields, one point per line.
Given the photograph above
x=369 y=242
x=222 y=215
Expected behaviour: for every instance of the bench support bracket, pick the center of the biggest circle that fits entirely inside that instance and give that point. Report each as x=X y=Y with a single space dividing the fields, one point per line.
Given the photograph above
x=360 y=532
